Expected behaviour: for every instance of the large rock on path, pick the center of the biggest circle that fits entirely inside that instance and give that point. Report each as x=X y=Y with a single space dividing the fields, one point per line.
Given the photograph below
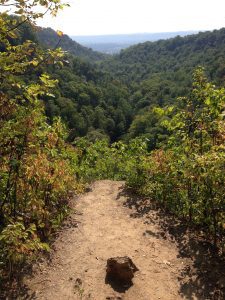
x=121 y=269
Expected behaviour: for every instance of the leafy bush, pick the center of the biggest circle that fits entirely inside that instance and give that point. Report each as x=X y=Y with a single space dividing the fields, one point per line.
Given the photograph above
x=187 y=176
x=36 y=164
x=100 y=160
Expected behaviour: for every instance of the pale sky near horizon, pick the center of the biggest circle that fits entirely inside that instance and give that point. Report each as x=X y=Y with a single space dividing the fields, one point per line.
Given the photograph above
x=95 y=17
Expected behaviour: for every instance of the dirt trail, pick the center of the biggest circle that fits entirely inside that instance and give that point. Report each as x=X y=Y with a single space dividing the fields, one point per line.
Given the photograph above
x=106 y=229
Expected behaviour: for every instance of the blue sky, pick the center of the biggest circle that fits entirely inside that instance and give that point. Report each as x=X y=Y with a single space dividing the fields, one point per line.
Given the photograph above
x=93 y=17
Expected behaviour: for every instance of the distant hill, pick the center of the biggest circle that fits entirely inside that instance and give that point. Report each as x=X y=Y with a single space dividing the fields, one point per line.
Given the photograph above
x=49 y=38
x=173 y=58
x=114 y=43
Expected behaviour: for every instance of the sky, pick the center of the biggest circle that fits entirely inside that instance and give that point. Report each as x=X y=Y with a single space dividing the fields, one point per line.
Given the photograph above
x=99 y=17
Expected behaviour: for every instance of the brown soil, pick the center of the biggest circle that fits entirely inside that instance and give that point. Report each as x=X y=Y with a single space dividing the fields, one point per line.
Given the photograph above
x=103 y=226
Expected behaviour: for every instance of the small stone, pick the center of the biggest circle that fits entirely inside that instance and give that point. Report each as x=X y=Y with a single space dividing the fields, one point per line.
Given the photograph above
x=78 y=282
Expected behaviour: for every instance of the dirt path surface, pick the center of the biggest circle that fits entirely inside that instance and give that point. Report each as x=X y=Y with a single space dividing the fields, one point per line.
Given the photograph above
x=102 y=227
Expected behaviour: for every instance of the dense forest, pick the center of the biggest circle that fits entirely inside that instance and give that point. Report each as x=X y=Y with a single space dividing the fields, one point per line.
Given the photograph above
x=174 y=58
x=111 y=101
x=152 y=115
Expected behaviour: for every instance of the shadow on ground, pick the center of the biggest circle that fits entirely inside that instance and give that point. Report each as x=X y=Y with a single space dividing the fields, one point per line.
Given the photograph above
x=116 y=285
x=205 y=279
x=14 y=289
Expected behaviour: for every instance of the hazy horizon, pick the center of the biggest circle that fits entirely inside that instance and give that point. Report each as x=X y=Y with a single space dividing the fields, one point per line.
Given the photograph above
x=114 y=43
x=141 y=33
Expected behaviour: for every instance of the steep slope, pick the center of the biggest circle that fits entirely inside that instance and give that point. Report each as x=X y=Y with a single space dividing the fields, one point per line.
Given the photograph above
x=49 y=38
x=87 y=99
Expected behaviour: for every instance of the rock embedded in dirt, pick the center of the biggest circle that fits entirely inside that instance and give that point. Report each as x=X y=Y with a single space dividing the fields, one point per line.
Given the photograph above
x=121 y=269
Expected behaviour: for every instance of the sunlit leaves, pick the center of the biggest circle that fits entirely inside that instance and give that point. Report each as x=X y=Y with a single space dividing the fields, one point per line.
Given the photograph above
x=36 y=165
x=187 y=177
x=32 y=9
